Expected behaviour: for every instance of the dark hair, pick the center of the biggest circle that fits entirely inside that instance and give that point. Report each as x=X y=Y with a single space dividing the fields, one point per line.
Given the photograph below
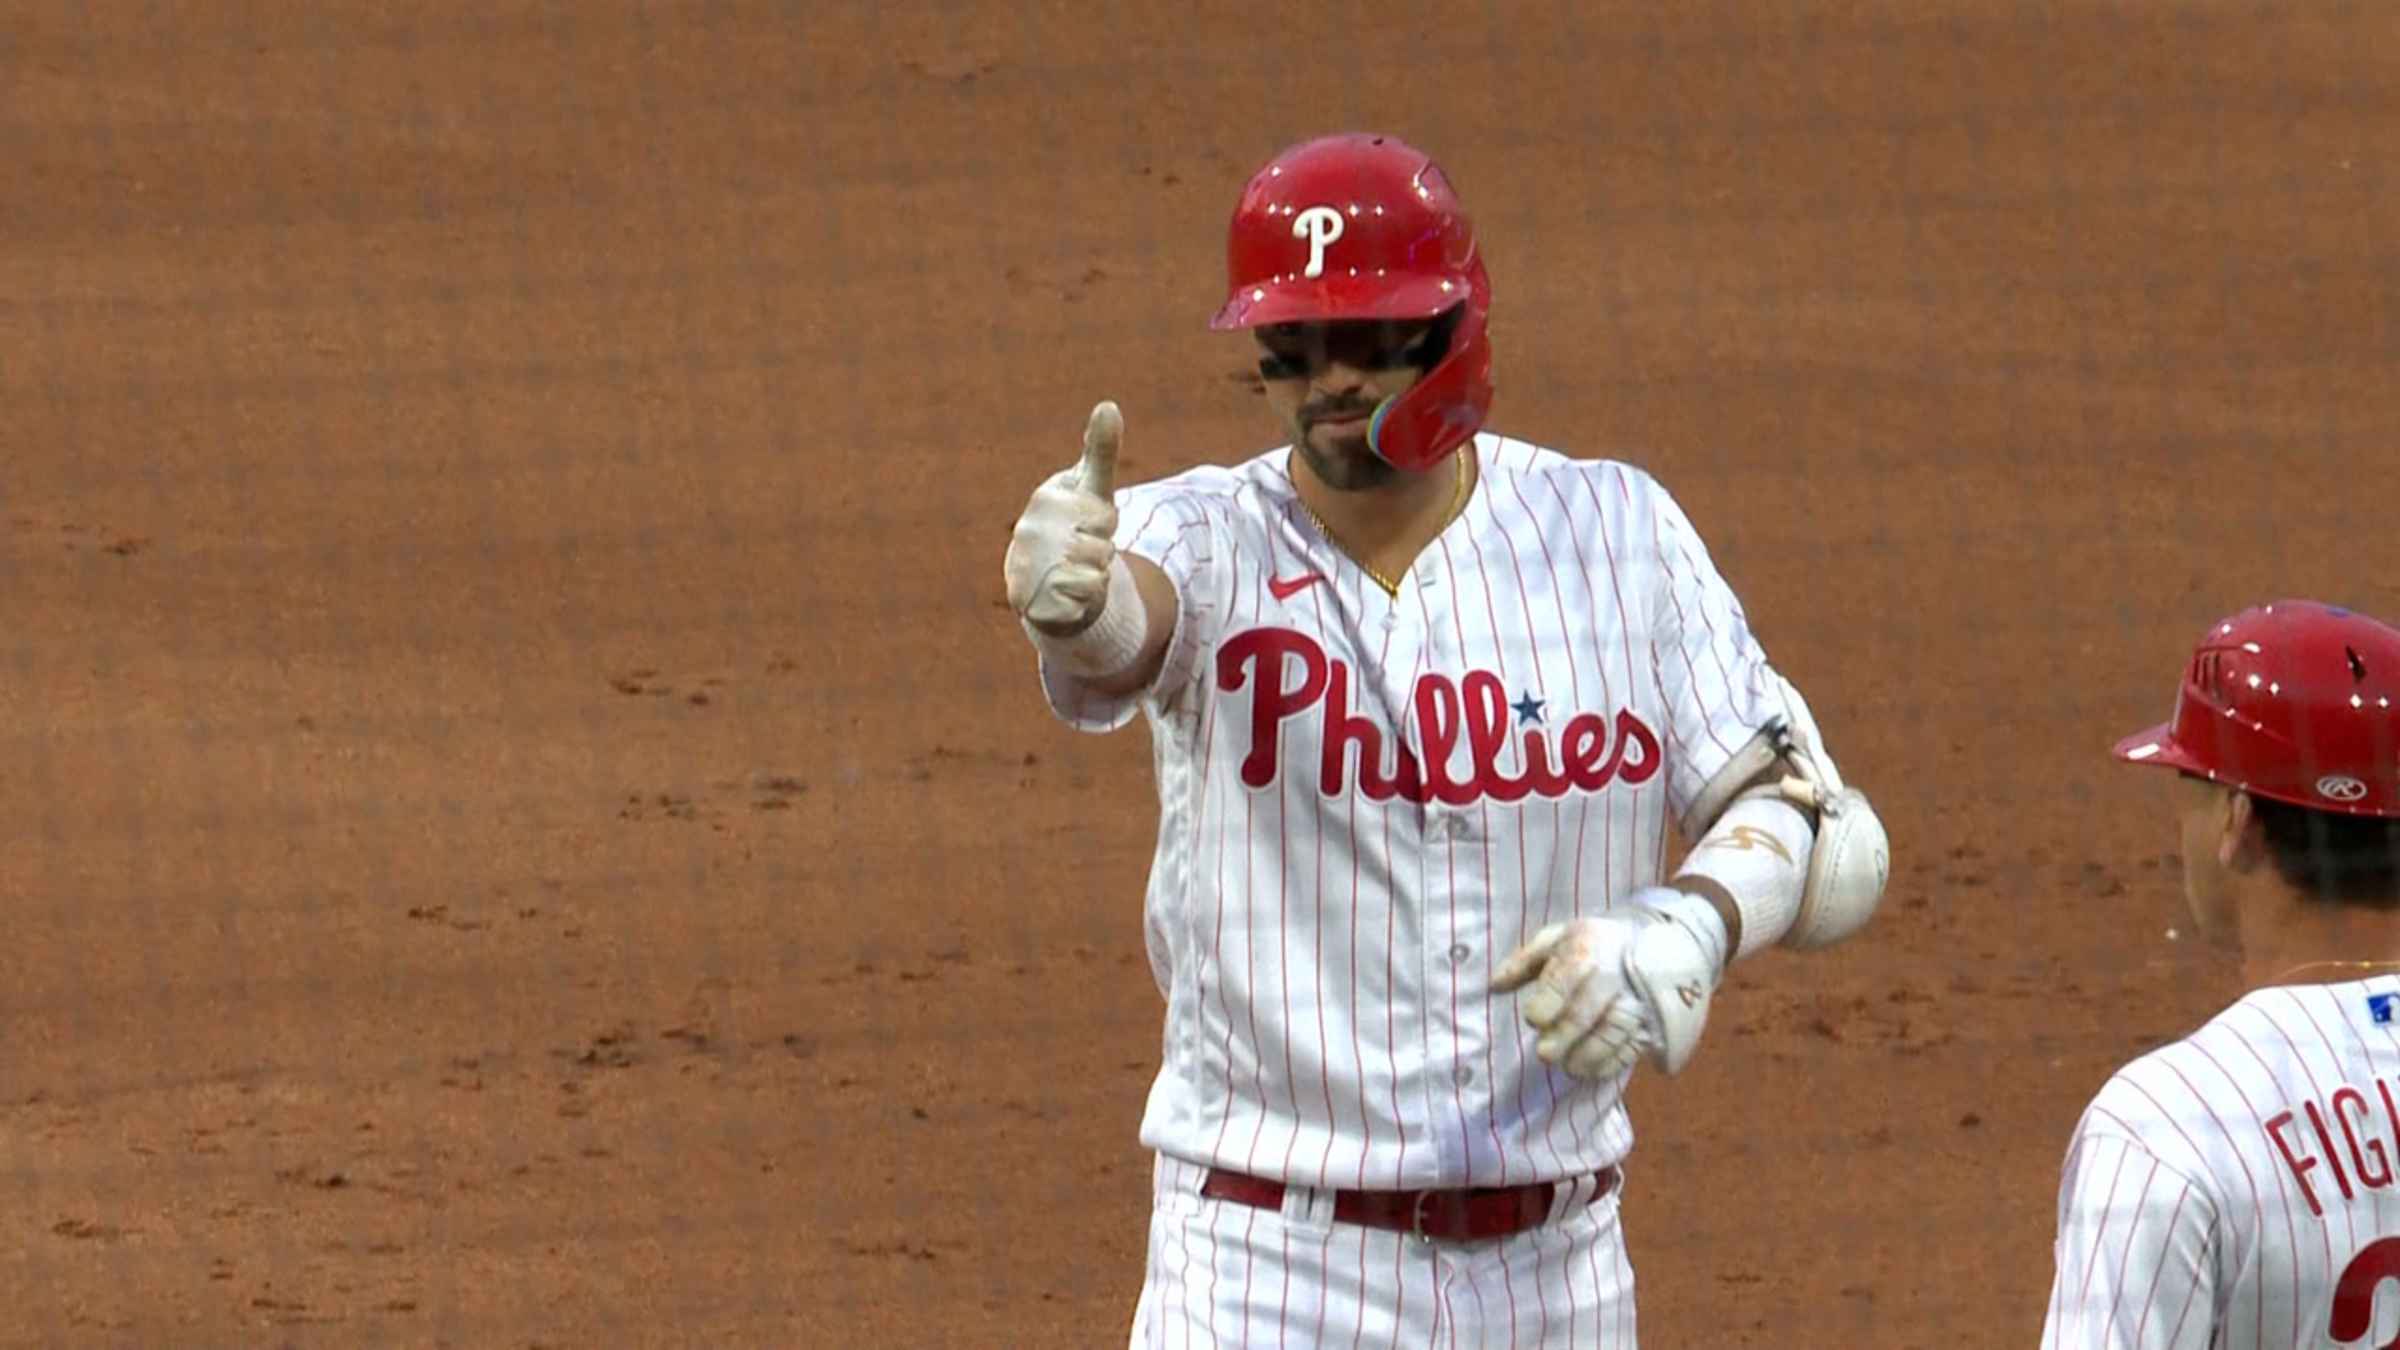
x=2341 y=859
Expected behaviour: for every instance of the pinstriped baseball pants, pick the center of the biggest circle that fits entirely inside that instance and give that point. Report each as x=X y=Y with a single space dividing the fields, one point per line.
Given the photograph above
x=1224 y=1275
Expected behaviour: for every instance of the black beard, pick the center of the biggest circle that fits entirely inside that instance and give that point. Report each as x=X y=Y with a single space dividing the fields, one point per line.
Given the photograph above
x=1357 y=472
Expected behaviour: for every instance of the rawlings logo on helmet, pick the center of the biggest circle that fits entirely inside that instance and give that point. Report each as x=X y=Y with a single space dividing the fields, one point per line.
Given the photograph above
x=2341 y=787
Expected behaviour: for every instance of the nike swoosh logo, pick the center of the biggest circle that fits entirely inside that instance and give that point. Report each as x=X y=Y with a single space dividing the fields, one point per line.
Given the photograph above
x=1283 y=588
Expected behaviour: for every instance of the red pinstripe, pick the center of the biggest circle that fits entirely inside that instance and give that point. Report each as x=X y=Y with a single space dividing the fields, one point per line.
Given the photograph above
x=1583 y=804
x=1458 y=1099
x=1150 y=1314
x=1250 y=1040
x=2183 y=1195
x=1692 y=567
x=2090 y=1266
x=2259 y=1118
x=1283 y=1302
x=1358 y=1327
x=1258 y=1066
x=1484 y=832
x=1391 y=1025
x=1524 y=1074
x=1366 y=1127
x=1283 y=939
x=1592 y=1257
x=1683 y=621
x=2125 y=1259
x=1444 y=1318
x=1408 y=736
x=2257 y=1200
x=1541 y=1303
x=1391 y=973
x=1316 y=1333
x=1508 y=1291
x=1218 y=946
x=1624 y=1297
x=1324 y=1040
x=2190 y=1297
x=1208 y=719
x=1616 y=586
x=2349 y=1216
x=1566 y=1278
x=1215 y=1337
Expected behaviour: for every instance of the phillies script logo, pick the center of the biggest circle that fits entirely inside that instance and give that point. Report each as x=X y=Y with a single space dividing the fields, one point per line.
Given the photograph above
x=1289 y=674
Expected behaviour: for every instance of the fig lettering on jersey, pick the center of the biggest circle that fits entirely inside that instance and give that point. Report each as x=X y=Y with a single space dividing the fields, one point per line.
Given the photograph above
x=1289 y=674
x=2368 y=1141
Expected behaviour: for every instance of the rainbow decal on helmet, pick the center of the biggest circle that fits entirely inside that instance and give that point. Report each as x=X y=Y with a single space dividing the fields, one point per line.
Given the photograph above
x=1375 y=423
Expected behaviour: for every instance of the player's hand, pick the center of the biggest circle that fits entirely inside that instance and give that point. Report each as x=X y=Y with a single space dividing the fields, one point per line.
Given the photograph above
x=1058 y=558
x=1610 y=989
x=1577 y=995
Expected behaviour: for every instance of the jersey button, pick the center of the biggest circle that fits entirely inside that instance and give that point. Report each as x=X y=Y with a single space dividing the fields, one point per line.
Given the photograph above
x=1458 y=954
x=1462 y=1075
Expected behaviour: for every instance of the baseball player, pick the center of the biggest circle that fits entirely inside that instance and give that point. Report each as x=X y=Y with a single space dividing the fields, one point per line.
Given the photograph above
x=1424 y=701
x=2236 y=1189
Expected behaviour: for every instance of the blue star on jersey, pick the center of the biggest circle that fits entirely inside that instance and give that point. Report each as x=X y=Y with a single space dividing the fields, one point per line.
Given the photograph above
x=1529 y=709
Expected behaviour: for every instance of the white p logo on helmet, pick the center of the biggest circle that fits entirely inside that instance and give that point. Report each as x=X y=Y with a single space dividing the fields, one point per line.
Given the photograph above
x=1320 y=226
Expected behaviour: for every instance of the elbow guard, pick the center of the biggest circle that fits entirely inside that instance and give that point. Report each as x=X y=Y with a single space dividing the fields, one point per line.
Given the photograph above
x=1847 y=854
x=1852 y=859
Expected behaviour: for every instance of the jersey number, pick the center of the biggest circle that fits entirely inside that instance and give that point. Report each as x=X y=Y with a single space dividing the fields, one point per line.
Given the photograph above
x=2354 y=1293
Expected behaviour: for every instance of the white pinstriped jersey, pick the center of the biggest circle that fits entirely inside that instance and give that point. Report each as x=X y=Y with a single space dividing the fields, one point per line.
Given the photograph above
x=1367 y=802
x=2236 y=1189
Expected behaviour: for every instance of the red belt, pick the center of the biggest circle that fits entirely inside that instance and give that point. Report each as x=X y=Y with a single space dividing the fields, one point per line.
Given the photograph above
x=1471 y=1215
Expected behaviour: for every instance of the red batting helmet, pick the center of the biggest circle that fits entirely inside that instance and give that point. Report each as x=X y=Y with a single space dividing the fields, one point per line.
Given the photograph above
x=2293 y=701
x=1366 y=227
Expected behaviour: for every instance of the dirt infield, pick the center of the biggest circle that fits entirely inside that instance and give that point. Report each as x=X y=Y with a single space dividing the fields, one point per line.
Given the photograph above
x=527 y=822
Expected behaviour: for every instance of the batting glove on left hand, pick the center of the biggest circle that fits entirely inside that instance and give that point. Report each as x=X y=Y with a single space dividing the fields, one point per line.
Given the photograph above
x=1609 y=989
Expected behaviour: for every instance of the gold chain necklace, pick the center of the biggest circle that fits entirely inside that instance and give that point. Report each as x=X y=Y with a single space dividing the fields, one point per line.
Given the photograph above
x=1391 y=587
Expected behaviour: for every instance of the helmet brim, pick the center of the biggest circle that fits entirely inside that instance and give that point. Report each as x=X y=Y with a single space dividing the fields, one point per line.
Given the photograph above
x=2157 y=746
x=1335 y=299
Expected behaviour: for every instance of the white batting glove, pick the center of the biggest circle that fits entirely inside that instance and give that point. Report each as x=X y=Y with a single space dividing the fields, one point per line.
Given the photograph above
x=1059 y=558
x=1610 y=989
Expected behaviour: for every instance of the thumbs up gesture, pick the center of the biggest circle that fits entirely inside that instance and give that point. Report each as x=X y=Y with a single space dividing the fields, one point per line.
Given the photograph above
x=1058 y=557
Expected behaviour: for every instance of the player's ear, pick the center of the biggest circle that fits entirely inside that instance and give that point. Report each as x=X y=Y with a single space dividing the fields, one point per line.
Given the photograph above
x=2241 y=838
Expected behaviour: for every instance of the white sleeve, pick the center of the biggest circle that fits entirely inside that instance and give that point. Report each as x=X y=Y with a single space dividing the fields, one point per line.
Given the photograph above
x=2136 y=1253
x=1180 y=532
x=1713 y=676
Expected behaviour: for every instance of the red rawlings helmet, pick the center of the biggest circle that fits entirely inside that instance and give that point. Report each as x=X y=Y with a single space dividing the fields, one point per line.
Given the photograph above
x=1366 y=227
x=2293 y=701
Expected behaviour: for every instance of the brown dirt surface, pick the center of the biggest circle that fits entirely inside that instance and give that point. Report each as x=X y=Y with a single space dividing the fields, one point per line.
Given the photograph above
x=528 y=822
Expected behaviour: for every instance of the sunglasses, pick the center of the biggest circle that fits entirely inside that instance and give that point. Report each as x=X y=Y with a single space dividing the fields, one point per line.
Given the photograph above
x=1297 y=351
